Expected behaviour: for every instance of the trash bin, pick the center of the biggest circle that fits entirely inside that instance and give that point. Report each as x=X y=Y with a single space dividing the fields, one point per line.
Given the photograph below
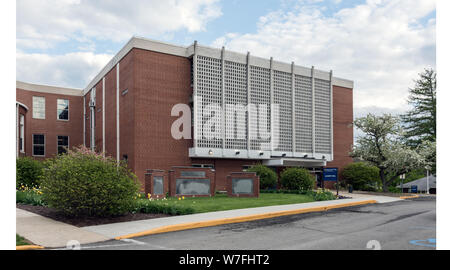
x=350 y=189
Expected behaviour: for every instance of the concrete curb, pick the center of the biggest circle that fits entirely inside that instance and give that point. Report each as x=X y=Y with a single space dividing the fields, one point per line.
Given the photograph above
x=28 y=247
x=216 y=222
x=409 y=197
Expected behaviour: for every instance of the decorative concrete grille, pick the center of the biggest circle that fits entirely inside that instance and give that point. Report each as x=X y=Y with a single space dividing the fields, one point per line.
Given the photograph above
x=209 y=85
x=282 y=84
x=259 y=116
x=255 y=124
x=322 y=115
x=303 y=114
x=236 y=94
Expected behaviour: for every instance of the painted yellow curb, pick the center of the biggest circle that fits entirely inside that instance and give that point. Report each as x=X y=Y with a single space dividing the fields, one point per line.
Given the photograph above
x=215 y=222
x=28 y=247
x=409 y=197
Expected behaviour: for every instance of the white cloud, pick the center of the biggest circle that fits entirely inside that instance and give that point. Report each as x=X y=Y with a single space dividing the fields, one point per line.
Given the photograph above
x=381 y=45
x=67 y=70
x=44 y=23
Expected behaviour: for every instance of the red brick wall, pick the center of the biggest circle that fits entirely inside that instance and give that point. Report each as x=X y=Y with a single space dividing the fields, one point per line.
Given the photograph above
x=110 y=113
x=160 y=82
x=50 y=126
x=98 y=116
x=342 y=128
x=127 y=122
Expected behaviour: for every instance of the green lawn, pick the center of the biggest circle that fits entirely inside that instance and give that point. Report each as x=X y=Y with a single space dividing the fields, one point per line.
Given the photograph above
x=222 y=202
x=20 y=241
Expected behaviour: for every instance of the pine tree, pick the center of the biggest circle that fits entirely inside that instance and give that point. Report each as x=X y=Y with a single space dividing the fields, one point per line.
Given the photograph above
x=420 y=122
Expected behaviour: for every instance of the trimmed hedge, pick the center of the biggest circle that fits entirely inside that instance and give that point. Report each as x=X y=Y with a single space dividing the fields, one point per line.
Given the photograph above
x=28 y=172
x=84 y=183
x=153 y=207
x=267 y=177
x=297 y=179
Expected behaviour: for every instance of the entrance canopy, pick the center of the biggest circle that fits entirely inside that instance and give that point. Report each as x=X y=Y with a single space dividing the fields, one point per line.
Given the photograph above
x=294 y=162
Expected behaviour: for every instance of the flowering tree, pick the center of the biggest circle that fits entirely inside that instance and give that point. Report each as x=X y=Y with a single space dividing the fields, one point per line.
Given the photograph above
x=381 y=146
x=427 y=149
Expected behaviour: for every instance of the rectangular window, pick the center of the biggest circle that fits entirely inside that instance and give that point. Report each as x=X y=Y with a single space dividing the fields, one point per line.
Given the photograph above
x=63 y=144
x=38 y=145
x=22 y=134
x=63 y=109
x=39 y=107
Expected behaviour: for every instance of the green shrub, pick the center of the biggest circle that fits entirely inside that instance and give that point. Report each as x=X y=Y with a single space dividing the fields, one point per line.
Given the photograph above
x=83 y=183
x=297 y=179
x=323 y=195
x=361 y=176
x=159 y=207
x=394 y=190
x=267 y=177
x=32 y=197
x=28 y=172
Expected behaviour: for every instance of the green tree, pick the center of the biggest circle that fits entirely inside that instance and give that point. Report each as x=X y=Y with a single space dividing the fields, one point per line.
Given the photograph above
x=427 y=149
x=420 y=122
x=381 y=146
x=361 y=176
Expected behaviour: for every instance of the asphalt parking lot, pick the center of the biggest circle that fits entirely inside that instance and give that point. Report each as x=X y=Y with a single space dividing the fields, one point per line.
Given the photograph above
x=404 y=225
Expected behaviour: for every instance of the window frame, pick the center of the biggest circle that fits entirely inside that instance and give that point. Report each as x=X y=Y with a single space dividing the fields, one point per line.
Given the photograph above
x=33 y=107
x=68 y=109
x=33 y=144
x=57 y=143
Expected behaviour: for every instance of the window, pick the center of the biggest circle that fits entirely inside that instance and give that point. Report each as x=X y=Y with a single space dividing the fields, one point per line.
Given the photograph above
x=63 y=109
x=39 y=107
x=63 y=144
x=203 y=166
x=22 y=133
x=38 y=145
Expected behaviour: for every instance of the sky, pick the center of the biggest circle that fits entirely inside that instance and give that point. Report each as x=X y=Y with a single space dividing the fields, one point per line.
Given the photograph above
x=382 y=45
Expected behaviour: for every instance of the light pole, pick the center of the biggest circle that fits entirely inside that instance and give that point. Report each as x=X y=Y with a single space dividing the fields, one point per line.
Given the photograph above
x=402 y=177
x=428 y=182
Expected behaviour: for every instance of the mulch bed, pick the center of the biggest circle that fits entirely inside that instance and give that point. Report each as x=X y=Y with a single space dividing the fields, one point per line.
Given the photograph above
x=85 y=221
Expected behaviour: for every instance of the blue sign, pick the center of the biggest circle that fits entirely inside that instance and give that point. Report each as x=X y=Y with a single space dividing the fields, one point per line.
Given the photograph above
x=330 y=174
x=414 y=189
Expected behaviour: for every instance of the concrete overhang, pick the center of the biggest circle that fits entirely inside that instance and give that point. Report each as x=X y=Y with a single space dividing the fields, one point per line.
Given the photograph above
x=294 y=162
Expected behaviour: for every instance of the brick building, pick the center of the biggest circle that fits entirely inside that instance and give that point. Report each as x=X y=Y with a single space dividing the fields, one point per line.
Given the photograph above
x=128 y=111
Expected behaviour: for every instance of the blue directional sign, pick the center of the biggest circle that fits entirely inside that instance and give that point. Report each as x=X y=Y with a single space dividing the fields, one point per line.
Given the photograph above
x=330 y=174
x=414 y=189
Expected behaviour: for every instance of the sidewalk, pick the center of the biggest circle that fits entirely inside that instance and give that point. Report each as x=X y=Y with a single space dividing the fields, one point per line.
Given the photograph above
x=50 y=233
x=378 y=198
x=47 y=232
x=160 y=225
